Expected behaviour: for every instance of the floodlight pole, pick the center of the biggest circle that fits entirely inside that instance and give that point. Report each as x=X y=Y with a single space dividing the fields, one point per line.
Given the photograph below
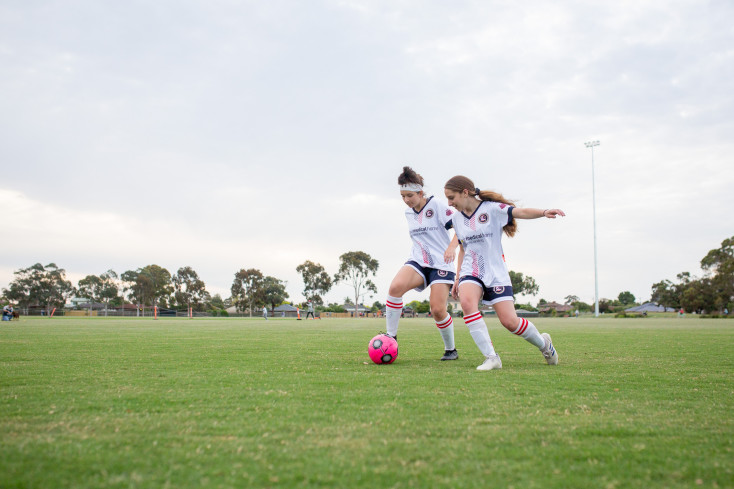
x=591 y=144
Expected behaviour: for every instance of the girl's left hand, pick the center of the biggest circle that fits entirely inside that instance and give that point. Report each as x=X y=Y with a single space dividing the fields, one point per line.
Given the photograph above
x=552 y=213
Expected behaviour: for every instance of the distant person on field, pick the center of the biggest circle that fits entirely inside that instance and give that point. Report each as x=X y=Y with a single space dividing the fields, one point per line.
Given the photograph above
x=310 y=310
x=7 y=312
x=265 y=313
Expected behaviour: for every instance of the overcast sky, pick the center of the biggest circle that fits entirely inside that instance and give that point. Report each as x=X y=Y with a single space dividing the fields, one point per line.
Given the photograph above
x=224 y=135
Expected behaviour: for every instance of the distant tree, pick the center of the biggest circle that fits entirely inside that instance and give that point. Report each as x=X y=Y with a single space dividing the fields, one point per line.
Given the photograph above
x=247 y=289
x=582 y=306
x=315 y=280
x=668 y=294
x=102 y=288
x=39 y=285
x=274 y=291
x=420 y=307
x=570 y=299
x=713 y=292
x=377 y=306
x=626 y=298
x=217 y=302
x=160 y=282
x=605 y=306
x=720 y=260
x=189 y=289
x=150 y=285
x=88 y=287
x=699 y=295
x=127 y=282
x=356 y=268
x=110 y=288
x=334 y=307
x=663 y=294
x=718 y=264
x=522 y=285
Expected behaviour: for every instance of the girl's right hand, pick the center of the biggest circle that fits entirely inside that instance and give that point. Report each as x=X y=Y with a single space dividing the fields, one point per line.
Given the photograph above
x=455 y=290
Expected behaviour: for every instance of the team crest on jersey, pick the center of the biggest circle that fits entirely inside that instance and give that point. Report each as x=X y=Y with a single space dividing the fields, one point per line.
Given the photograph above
x=429 y=213
x=502 y=206
x=499 y=290
x=442 y=273
x=483 y=218
x=448 y=212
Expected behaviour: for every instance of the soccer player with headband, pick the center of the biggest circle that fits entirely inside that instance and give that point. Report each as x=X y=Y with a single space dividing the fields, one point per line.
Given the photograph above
x=431 y=259
x=482 y=272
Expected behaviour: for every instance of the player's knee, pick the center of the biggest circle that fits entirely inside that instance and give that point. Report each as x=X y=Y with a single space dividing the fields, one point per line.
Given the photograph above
x=438 y=312
x=469 y=307
x=395 y=290
x=509 y=321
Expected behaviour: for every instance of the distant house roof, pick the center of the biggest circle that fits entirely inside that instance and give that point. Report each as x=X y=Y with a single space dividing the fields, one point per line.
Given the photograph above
x=350 y=307
x=87 y=305
x=554 y=305
x=285 y=308
x=526 y=314
x=649 y=307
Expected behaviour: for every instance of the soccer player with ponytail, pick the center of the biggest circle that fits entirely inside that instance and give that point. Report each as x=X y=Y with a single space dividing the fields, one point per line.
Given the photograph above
x=431 y=259
x=482 y=273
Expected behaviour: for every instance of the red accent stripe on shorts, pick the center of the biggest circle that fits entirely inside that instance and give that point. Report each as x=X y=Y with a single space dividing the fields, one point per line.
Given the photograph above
x=394 y=305
x=523 y=326
x=444 y=324
x=472 y=317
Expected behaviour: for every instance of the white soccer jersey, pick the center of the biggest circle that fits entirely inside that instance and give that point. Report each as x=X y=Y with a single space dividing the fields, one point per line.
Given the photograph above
x=429 y=232
x=481 y=236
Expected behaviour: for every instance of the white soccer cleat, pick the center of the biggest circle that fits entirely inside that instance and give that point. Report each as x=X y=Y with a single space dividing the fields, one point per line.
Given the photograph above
x=548 y=351
x=492 y=362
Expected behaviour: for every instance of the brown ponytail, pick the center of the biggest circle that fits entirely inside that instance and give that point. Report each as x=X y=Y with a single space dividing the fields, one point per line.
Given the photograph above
x=459 y=183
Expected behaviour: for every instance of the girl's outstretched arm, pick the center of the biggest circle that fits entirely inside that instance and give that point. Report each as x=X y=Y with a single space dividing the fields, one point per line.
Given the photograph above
x=531 y=213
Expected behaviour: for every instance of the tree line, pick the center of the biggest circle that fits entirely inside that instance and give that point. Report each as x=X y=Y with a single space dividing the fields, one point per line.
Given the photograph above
x=46 y=286
x=711 y=293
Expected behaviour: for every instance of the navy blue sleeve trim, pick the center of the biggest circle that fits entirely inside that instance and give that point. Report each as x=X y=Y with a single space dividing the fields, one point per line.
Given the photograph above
x=449 y=224
x=509 y=214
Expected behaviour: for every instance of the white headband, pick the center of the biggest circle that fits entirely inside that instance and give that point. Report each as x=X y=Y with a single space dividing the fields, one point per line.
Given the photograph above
x=411 y=187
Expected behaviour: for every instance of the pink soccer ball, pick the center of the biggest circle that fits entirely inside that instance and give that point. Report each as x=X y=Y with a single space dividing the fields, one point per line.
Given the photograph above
x=383 y=349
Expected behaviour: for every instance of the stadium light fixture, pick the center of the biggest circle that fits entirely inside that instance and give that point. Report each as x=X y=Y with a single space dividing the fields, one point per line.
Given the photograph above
x=591 y=144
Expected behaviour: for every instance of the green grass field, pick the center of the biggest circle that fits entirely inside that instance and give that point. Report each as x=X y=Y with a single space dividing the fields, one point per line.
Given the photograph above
x=634 y=403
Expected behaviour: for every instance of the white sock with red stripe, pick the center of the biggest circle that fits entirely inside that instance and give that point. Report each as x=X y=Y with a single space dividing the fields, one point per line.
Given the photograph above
x=393 y=310
x=446 y=328
x=527 y=330
x=480 y=333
